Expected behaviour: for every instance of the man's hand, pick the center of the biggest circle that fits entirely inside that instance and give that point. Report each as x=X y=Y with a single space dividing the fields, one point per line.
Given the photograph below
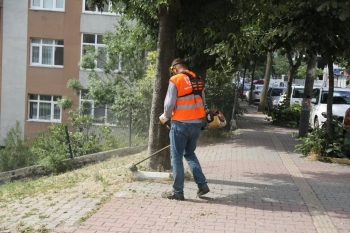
x=163 y=119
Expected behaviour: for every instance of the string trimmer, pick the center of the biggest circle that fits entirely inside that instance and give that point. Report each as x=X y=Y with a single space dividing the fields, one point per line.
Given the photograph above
x=133 y=167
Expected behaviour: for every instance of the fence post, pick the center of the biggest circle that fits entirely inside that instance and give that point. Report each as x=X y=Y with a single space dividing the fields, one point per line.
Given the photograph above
x=68 y=142
x=130 y=123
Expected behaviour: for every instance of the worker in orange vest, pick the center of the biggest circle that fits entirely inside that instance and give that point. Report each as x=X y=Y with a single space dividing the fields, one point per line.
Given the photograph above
x=184 y=103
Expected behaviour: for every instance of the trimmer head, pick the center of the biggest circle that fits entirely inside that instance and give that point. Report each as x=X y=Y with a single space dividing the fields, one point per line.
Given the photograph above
x=133 y=168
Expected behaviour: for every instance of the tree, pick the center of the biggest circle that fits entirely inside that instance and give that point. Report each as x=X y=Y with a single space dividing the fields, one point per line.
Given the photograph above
x=322 y=28
x=163 y=17
x=309 y=83
x=293 y=67
x=126 y=91
x=301 y=71
x=280 y=64
x=263 y=95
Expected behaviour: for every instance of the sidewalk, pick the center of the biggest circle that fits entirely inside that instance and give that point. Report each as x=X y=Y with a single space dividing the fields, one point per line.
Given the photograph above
x=258 y=184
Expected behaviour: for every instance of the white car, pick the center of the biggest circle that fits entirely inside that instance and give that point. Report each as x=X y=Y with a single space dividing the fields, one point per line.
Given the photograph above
x=318 y=112
x=274 y=94
x=297 y=95
x=257 y=89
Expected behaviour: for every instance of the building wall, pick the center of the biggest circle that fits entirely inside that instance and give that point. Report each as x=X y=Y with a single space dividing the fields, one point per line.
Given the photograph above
x=53 y=81
x=18 y=78
x=95 y=24
x=14 y=64
x=1 y=39
x=339 y=79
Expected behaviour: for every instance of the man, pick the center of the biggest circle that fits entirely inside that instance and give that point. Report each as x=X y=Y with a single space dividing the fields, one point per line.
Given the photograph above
x=185 y=105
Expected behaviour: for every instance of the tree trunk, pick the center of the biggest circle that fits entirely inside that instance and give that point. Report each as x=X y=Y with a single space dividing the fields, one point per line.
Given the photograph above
x=243 y=82
x=251 y=101
x=309 y=83
x=291 y=72
x=330 y=126
x=158 y=133
x=263 y=95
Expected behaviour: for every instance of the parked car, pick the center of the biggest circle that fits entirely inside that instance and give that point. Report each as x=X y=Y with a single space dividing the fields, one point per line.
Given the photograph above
x=242 y=89
x=346 y=133
x=260 y=81
x=297 y=94
x=273 y=96
x=257 y=89
x=346 y=120
x=318 y=113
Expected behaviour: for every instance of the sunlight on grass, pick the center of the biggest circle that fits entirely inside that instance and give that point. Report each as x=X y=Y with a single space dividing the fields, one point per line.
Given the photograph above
x=108 y=174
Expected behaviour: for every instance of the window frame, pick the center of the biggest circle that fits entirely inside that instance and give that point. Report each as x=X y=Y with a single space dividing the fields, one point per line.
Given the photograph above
x=38 y=101
x=97 y=11
x=96 y=46
x=96 y=121
x=41 y=45
x=41 y=7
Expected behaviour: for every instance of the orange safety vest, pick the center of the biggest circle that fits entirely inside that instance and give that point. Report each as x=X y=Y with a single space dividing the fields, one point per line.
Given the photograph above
x=187 y=106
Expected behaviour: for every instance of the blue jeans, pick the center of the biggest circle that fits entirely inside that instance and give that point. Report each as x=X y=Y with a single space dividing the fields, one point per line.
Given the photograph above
x=183 y=142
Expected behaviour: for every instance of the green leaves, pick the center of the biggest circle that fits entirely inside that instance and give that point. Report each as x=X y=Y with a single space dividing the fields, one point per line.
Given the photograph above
x=286 y=115
x=316 y=142
x=16 y=153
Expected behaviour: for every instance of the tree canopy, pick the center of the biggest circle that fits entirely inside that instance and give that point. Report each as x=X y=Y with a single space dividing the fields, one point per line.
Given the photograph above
x=234 y=33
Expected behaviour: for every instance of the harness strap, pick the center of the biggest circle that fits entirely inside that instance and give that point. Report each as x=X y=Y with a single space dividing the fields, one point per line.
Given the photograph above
x=196 y=83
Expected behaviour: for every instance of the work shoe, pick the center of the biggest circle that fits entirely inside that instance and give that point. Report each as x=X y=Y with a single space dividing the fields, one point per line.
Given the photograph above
x=203 y=190
x=173 y=196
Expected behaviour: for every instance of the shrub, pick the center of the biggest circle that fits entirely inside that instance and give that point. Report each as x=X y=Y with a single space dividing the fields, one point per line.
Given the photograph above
x=284 y=115
x=16 y=153
x=316 y=141
x=51 y=148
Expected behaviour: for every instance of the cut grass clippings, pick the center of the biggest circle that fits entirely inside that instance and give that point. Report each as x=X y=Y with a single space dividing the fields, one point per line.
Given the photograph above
x=335 y=160
x=316 y=157
x=98 y=181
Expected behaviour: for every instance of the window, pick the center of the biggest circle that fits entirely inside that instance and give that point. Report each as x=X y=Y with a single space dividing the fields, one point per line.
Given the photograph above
x=95 y=41
x=55 y=5
x=107 y=8
x=44 y=108
x=46 y=52
x=339 y=97
x=101 y=113
x=277 y=92
x=298 y=93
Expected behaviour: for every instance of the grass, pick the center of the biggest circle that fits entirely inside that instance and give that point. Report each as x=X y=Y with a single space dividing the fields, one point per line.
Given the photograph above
x=98 y=181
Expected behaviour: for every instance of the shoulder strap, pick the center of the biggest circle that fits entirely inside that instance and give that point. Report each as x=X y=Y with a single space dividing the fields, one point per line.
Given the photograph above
x=196 y=82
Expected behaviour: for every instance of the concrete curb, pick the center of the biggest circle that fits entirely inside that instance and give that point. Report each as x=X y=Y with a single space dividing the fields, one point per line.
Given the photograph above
x=142 y=175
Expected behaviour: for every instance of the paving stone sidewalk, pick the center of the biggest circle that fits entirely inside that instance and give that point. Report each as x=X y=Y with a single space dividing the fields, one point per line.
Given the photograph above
x=258 y=184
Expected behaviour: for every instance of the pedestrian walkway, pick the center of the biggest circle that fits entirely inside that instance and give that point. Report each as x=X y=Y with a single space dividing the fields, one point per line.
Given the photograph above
x=258 y=184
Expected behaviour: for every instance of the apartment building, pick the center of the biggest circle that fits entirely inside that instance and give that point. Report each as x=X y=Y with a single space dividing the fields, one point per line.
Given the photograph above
x=41 y=44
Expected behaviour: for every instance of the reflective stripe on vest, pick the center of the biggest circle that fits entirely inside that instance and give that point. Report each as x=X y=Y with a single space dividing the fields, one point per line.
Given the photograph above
x=188 y=107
